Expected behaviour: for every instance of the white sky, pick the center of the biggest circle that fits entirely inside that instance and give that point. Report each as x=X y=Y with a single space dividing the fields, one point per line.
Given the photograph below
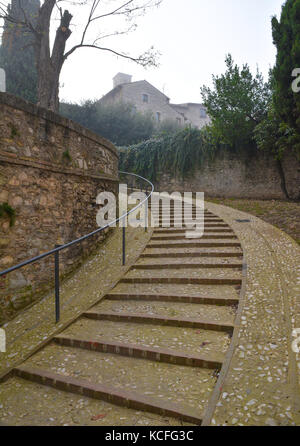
x=193 y=37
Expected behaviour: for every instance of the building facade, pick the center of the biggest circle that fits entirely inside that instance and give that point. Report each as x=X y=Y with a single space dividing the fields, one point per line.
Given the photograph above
x=148 y=99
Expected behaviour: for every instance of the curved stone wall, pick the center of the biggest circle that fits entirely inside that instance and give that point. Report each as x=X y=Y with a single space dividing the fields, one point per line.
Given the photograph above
x=51 y=170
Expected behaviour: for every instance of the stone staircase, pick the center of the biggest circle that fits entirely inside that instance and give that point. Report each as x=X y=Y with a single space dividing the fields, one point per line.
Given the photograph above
x=151 y=351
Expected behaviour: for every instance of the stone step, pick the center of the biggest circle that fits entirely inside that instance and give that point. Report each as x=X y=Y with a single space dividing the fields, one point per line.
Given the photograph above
x=194 y=211
x=171 y=225
x=192 y=244
x=151 y=266
x=192 y=341
x=31 y=404
x=206 y=300
x=199 y=261
x=206 y=225
x=159 y=320
x=179 y=310
x=181 y=255
x=182 y=236
x=189 y=290
x=183 y=215
x=135 y=351
x=179 y=208
x=186 y=215
x=130 y=399
x=187 y=220
x=155 y=208
x=190 y=272
x=182 y=280
x=182 y=227
x=180 y=230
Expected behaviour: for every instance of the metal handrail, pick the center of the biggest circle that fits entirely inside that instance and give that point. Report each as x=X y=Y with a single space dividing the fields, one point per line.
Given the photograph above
x=57 y=249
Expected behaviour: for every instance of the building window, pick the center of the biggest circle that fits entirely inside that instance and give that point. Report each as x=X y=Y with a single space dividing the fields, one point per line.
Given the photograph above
x=202 y=113
x=158 y=116
x=145 y=98
x=178 y=121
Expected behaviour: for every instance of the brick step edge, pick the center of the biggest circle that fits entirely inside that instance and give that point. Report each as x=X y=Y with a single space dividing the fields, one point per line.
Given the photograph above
x=195 y=245
x=151 y=266
x=188 y=220
x=129 y=399
x=174 y=298
x=136 y=351
x=183 y=230
x=159 y=320
x=158 y=227
x=181 y=280
x=191 y=254
x=184 y=215
x=202 y=237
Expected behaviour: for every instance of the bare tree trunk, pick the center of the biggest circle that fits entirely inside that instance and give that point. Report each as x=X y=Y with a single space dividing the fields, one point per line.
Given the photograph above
x=282 y=179
x=49 y=66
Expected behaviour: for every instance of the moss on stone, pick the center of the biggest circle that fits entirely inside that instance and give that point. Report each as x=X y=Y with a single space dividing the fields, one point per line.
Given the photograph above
x=14 y=132
x=7 y=211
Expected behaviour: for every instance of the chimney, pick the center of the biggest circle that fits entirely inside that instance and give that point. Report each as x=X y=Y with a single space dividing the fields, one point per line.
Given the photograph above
x=121 y=78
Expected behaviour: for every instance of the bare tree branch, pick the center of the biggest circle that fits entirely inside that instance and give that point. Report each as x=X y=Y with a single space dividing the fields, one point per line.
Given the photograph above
x=116 y=33
x=146 y=59
x=126 y=9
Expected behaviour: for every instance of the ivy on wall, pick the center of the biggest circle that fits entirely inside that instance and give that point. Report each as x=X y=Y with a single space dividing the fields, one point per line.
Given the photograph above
x=180 y=154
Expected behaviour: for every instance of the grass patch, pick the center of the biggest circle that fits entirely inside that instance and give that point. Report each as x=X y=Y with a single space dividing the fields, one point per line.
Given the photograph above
x=285 y=215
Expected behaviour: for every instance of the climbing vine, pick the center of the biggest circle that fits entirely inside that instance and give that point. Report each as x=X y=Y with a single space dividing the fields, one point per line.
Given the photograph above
x=179 y=154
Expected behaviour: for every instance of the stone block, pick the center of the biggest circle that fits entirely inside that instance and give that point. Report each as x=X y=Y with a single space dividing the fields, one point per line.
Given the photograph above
x=17 y=280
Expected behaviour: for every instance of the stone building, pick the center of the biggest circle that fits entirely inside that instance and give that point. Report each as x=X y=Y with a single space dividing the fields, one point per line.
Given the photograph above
x=146 y=98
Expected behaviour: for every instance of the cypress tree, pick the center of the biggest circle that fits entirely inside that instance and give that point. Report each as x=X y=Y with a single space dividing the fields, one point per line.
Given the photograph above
x=17 y=52
x=286 y=37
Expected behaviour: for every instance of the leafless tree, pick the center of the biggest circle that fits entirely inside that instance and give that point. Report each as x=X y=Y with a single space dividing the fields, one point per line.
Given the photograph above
x=50 y=58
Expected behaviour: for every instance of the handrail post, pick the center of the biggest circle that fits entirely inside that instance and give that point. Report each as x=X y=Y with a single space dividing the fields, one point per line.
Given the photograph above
x=56 y=275
x=124 y=244
x=146 y=216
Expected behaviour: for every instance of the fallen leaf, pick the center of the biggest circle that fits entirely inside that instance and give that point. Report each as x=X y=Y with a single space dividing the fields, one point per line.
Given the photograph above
x=98 y=417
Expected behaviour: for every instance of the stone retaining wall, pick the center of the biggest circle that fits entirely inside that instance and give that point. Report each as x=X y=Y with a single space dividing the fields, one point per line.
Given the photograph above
x=241 y=175
x=51 y=170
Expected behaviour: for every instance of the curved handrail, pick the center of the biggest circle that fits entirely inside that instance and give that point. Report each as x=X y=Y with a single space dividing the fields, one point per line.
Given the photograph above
x=84 y=237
